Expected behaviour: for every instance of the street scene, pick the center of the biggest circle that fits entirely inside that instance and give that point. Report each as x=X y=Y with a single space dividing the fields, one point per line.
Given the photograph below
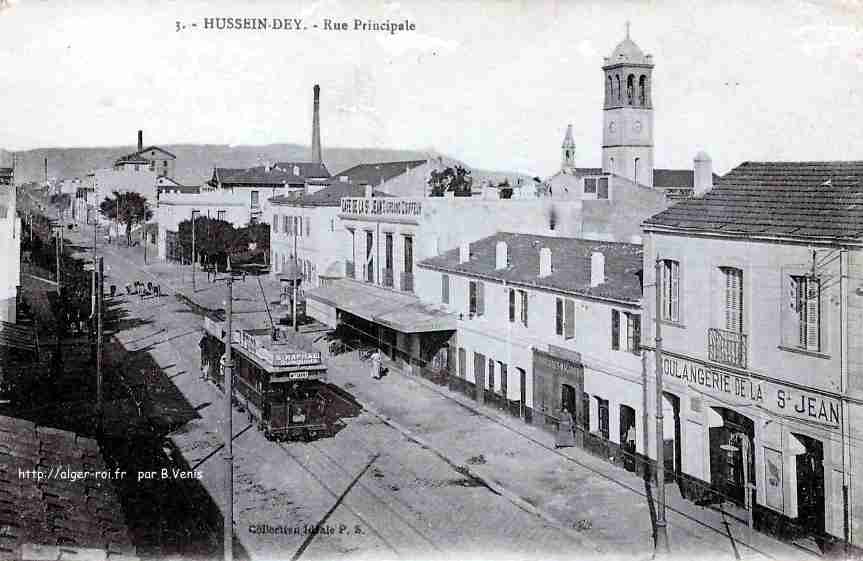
x=617 y=344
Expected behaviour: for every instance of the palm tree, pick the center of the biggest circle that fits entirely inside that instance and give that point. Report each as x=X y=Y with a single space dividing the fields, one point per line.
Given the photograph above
x=128 y=207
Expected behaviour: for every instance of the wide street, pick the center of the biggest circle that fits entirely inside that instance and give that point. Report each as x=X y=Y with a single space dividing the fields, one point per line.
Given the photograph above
x=416 y=475
x=373 y=493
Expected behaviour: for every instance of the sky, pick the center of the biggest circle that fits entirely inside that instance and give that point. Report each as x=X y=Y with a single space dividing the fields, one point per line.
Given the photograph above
x=491 y=83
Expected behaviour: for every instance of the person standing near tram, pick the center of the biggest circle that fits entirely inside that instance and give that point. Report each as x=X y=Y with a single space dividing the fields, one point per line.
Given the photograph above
x=376 y=364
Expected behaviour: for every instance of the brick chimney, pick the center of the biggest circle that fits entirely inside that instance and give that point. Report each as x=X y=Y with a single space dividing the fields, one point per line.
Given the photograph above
x=702 y=180
x=501 y=259
x=464 y=252
x=544 y=262
x=316 y=127
x=140 y=140
x=597 y=268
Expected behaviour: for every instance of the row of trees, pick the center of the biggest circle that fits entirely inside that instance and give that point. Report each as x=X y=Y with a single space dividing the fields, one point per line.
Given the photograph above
x=454 y=178
x=216 y=239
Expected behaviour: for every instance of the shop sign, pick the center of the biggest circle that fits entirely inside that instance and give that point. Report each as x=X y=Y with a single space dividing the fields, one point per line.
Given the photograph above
x=296 y=359
x=388 y=206
x=298 y=375
x=552 y=363
x=777 y=398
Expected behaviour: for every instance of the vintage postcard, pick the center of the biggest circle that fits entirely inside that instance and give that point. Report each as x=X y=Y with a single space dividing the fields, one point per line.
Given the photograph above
x=405 y=280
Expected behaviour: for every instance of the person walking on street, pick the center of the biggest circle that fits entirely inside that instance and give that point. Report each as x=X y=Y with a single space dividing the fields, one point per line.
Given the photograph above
x=564 y=436
x=376 y=364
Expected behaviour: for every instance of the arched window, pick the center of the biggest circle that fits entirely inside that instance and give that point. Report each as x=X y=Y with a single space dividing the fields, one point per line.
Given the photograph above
x=630 y=88
x=635 y=170
x=617 y=77
x=609 y=91
x=642 y=90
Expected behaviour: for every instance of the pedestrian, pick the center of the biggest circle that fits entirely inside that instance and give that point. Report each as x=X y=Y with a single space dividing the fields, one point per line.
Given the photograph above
x=565 y=436
x=149 y=286
x=376 y=364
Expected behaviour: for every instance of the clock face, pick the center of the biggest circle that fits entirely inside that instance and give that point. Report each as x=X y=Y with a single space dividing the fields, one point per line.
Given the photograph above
x=611 y=126
x=636 y=126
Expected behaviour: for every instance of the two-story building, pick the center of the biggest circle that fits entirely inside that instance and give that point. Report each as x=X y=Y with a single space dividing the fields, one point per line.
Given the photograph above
x=152 y=158
x=176 y=207
x=307 y=228
x=761 y=317
x=546 y=323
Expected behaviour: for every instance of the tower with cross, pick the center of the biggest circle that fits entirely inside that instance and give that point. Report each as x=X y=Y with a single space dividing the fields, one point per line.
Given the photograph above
x=627 y=136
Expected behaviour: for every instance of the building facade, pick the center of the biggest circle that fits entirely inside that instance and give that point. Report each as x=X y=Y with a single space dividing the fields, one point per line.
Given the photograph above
x=761 y=315
x=175 y=208
x=10 y=248
x=547 y=324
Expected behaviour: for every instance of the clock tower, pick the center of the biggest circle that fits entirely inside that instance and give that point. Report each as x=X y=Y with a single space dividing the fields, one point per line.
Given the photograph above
x=627 y=134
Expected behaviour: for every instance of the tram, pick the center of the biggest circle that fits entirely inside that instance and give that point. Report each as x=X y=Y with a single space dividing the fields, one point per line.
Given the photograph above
x=278 y=379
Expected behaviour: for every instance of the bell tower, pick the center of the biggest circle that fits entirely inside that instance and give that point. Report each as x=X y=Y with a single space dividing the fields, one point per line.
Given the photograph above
x=627 y=135
x=567 y=151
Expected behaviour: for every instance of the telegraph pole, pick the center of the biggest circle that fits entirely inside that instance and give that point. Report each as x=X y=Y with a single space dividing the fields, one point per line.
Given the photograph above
x=99 y=288
x=661 y=548
x=59 y=241
x=294 y=279
x=229 y=447
x=193 y=252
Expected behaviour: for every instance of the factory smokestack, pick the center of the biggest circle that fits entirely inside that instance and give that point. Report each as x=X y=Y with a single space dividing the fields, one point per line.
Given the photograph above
x=316 y=127
x=140 y=140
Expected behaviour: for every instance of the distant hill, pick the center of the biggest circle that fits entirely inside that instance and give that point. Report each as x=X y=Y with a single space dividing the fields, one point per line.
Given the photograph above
x=195 y=162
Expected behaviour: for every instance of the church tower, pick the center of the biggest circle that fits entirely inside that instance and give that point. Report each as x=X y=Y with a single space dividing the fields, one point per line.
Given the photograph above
x=627 y=135
x=567 y=151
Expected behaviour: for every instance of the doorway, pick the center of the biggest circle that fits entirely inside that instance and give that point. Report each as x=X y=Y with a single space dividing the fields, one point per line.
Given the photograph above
x=810 y=485
x=479 y=376
x=627 y=436
x=567 y=398
x=732 y=461
x=522 y=396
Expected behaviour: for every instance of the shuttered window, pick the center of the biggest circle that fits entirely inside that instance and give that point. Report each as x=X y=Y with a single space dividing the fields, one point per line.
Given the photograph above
x=733 y=299
x=633 y=333
x=444 y=289
x=670 y=290
x=615 y=330
x=462 y=363
x=308 y=226
x=807 y=307
x=523 y=294
x=602 y=191
x=590 y=185
x=275 y=223
x=565 y=318
x=477 y=300
x=512 y=305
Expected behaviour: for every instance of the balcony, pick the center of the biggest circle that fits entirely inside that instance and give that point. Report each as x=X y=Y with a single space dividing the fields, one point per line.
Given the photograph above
x=388 y=278
x=727 y=347
x=349 y=270
x=408 y=282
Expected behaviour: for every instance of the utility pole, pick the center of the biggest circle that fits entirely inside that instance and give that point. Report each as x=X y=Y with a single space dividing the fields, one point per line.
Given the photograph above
x=100 y=286
x=661 y=546
x=57 y=245
x=294 y=279
x=229 y=446
x=193 y=251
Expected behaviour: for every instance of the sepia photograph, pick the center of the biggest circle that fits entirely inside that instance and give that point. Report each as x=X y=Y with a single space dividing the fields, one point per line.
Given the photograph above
x=453 y=280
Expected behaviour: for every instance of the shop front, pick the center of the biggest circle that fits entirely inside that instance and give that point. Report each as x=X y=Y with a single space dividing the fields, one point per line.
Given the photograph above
x=765 y=450
x=558 y=385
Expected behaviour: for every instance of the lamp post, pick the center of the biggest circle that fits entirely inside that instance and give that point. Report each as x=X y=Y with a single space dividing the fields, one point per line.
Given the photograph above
x=228 y=422
x=194 y=211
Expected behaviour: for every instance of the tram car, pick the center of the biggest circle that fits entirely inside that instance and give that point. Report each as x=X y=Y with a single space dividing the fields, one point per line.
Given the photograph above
x=278 y=379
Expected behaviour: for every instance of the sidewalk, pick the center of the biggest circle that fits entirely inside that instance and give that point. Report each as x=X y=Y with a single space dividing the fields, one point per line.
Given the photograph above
x=570 y=488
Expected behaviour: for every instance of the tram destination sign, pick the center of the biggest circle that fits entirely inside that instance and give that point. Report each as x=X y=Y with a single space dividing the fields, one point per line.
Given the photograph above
x=296 y=358
x=777 y=398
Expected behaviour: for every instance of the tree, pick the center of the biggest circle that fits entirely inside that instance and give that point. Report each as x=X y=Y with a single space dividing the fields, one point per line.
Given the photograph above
x=128 y=207
x=212 y=237
x=456 y=179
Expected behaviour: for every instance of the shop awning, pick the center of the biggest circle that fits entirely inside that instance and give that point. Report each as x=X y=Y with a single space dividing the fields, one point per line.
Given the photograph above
x=396 y=310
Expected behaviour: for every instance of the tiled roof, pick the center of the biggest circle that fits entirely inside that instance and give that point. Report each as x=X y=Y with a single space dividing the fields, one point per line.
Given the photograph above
x=328 y=196
x=148 y=148
x=570 y=261
x=56 y=511
x=375 y=174
x=307 y=169
x=790 y=199
x=678 y=178
x=131 y=159
x=256 y=176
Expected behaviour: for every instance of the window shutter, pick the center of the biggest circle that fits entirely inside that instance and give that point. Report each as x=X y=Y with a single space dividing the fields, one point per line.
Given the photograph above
x=308 y=226
x=512 y=305
x=635 y=331
x=472 y=297
x=444 y=289
x=524 y=307
x=569 y=320
x=275 y=223
x=813 y=289
x=675 y=291
x=480 y=298
x=615 y=330
x=558 y=324
x=733 y=300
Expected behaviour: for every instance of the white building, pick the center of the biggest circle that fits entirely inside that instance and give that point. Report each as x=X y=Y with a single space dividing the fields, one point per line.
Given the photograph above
x=10 y=249
x=176 y=207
